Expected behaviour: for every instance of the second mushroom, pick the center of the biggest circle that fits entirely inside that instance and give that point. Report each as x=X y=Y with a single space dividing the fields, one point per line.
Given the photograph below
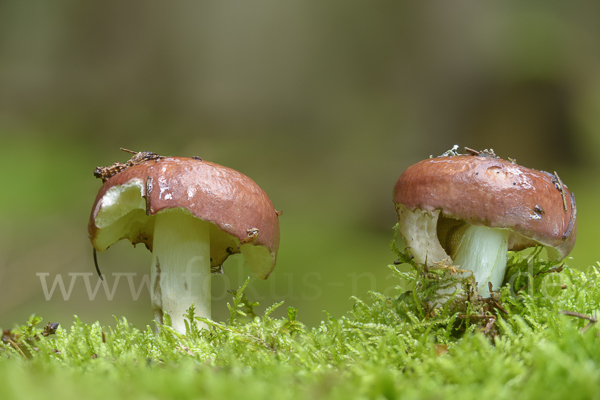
x=469 y=210
x=192 y=214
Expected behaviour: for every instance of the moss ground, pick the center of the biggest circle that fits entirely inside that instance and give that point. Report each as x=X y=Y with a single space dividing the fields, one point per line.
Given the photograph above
x=522 y=344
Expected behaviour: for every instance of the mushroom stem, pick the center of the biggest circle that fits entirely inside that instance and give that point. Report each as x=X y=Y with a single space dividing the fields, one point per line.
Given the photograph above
x=180 y=267
x=482 y=250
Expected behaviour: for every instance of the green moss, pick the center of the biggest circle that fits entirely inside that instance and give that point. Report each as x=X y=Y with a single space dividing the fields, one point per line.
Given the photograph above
x=386 y=347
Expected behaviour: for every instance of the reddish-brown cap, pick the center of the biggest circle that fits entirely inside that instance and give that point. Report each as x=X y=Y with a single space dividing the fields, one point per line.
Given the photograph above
x=492 y=192
x=239 y=211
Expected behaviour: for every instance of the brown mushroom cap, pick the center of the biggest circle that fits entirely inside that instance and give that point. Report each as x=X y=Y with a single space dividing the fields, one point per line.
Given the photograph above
x=492 y=192
x=232 y=203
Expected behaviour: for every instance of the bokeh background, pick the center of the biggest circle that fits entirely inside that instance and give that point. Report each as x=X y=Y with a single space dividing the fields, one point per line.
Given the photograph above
x=323 y=104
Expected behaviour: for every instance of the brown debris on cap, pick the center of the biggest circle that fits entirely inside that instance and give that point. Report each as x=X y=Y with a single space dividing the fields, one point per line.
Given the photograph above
x=105 y=173
x=492 y=192
x=233 y=203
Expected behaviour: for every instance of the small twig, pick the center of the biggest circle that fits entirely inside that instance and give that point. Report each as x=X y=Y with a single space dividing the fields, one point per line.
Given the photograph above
x=128 y=151
x=579 y=315
x=476 y=316
x=492 y=299
x=471 y=151
x=561 y=188
x=593 y=320
x=16 y=346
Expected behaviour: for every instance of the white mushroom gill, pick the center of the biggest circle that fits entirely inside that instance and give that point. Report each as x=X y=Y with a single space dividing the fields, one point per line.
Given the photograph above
x=419 y=230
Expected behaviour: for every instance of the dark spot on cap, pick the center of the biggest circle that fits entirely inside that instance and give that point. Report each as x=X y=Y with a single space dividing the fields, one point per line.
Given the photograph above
x=538 y=210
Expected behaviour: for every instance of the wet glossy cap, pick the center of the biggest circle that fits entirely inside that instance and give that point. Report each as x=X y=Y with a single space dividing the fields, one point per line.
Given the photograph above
x=489 y=191
x=241 y=214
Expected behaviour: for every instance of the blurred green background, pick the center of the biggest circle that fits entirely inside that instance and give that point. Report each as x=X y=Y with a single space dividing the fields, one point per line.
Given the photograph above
x=323 y=104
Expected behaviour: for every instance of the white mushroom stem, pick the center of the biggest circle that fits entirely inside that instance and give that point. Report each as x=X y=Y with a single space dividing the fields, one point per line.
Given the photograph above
x=180 y=267
x=482 y=250
x=435 y=239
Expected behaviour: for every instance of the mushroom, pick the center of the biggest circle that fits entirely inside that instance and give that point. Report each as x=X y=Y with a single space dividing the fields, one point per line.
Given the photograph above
x=469 y=210
x=191 y=214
